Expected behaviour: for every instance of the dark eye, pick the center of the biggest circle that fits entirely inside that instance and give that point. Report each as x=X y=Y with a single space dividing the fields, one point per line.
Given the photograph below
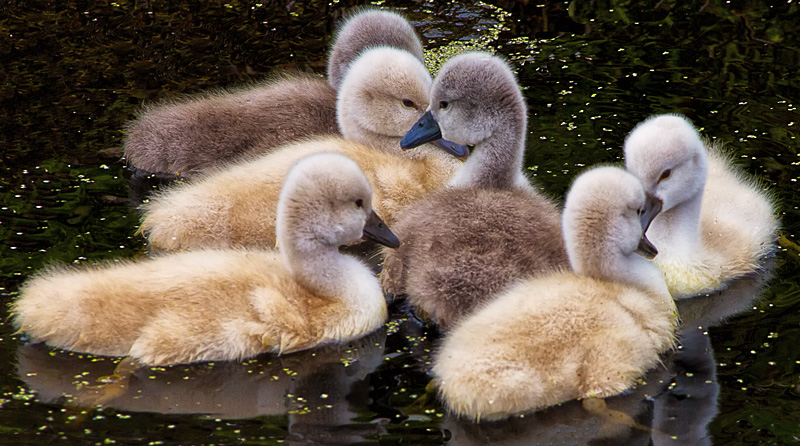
x=665 y=174
x=443 y=105
x=359 y=203
x=409 y=103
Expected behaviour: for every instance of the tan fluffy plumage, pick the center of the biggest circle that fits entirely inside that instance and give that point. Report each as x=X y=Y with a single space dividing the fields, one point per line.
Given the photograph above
x=235 y=205
x=567 y=335
x=225 y=304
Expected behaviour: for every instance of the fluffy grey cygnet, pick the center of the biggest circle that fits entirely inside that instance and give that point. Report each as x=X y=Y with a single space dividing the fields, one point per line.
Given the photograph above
x=369 y=28
x=191 y=135
x=463 y=245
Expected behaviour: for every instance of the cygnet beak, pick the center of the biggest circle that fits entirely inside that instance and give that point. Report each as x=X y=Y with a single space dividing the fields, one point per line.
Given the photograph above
x=425 y=130
x=457 y=150
x=376 y=230
x=652 y=206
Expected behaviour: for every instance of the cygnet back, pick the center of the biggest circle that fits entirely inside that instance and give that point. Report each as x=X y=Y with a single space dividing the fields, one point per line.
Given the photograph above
x=190 y=135
x=187 y=136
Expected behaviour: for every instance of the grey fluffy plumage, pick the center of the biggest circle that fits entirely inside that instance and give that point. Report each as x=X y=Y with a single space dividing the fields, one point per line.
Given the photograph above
x=369 y=28
x=451 y=264
x=463 y=245
x=190 y=135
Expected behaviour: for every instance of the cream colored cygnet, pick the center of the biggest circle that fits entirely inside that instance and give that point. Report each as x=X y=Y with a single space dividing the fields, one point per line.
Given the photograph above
x=383 y=94
x=717 y=224
x=231 y=304
x=590 y=332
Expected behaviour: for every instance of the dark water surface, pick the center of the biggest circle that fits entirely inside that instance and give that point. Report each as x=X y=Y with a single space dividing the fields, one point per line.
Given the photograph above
x=74 y=72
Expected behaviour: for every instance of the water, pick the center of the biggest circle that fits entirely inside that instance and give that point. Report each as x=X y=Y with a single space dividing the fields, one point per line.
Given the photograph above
x=76 y=72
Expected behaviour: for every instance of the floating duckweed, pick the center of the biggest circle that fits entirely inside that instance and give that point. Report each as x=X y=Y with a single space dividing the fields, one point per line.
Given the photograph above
x=436 y=57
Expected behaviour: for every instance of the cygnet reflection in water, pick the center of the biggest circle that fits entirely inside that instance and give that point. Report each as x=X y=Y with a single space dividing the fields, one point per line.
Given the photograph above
x=321 y=390
x=684 y=409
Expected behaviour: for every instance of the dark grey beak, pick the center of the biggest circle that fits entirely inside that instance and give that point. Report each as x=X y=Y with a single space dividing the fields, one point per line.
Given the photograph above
x=427 y=130
x=652 y=206
x=376 y=230
x=424 y=131
x=457 y=150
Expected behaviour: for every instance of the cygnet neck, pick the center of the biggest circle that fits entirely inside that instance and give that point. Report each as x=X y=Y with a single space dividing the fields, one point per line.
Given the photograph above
x=631 y=269
x=367 y=137
x=313 y=260
x=677 y=230
x=496 y=162
x=320 y=268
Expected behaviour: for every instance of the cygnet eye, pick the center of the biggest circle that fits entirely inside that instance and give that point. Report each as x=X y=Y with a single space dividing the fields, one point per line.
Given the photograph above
x=359 y=203
x=664 y=175
x=443 y=105
x=409 y=103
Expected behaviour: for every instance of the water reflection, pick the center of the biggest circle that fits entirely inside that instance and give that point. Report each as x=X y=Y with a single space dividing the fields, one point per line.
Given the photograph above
x=681 y=413
x=686 y=407
x=321 y=390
